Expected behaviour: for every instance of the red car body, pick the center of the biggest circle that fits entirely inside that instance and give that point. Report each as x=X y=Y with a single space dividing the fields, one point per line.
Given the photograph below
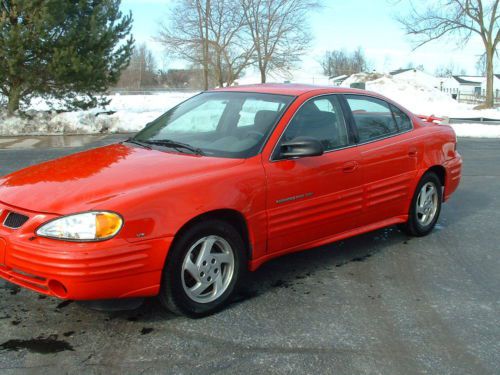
x=279 y=206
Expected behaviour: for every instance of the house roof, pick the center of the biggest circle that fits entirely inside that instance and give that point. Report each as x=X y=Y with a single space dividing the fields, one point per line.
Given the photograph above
x=399 y=71
x=465 y=81
x=341 y=78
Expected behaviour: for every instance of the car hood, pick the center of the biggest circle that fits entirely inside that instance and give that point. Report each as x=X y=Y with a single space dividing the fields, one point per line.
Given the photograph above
x=87 y=180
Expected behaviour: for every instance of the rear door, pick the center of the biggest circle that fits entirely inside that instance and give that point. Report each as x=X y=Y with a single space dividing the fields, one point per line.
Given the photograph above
x=313 y=198
x=388 y=157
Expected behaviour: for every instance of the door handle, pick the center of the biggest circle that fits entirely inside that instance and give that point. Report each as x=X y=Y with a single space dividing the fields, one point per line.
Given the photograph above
x=350 y=167
x=413 y=153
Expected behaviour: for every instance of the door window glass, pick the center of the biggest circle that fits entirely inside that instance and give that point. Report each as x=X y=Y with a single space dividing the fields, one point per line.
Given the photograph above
x=372 y=116
x=320 y=119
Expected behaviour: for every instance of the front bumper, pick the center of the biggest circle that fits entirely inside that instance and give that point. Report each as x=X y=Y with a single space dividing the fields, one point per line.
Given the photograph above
x=111 y=269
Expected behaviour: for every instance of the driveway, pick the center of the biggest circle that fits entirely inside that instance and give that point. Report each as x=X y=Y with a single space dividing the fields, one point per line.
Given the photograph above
x=380 y=303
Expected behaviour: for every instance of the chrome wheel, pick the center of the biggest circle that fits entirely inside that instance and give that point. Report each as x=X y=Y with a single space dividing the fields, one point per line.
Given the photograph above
x=427 y=204
x=208 y=269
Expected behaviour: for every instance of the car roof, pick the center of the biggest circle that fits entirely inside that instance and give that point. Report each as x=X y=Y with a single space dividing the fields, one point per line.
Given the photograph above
x=287 y=89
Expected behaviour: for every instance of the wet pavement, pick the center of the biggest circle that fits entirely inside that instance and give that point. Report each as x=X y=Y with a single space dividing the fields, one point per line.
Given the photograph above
x=380 y=303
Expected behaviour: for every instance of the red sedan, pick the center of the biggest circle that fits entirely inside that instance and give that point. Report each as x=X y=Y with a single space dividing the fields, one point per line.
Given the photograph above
x=217 y=186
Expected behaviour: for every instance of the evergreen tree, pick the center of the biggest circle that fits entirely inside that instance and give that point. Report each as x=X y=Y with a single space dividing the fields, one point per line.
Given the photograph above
x=70 y=50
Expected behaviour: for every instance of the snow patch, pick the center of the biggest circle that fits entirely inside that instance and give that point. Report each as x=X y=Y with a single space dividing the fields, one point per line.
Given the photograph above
x=125 y=114
x=476 y=130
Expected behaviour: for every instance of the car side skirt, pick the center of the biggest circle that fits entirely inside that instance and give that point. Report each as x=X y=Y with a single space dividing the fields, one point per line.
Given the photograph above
x=256 y=263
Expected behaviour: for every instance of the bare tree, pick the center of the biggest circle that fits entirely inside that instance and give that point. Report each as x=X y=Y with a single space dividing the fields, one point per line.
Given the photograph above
x=463 y=18
x=203 y=12
x=210 y=34
x=142 y=70
x=481 y=65
x=184 y=35
x=337 y=63
x=445 y=71
x=231 y=51
x=279 y=32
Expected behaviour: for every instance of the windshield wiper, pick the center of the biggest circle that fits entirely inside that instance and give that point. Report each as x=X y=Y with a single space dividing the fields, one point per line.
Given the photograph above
x=176 y=145
x=139 y=143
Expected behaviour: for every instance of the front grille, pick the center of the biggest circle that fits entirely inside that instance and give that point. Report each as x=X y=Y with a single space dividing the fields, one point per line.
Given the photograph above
x=15 y=220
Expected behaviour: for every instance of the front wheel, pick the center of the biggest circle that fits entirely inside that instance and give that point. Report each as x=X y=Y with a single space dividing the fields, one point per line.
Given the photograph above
x=203 y=270
x=425 y=206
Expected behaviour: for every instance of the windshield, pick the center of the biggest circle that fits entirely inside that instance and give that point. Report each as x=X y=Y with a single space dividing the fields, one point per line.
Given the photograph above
x=223 y=124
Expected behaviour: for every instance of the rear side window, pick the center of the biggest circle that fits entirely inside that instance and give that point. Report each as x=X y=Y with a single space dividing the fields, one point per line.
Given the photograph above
x=403 y=121
x=373 y=117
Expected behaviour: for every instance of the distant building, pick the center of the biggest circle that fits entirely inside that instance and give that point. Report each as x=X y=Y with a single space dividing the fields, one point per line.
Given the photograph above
x=337 y=81
x=469 y=85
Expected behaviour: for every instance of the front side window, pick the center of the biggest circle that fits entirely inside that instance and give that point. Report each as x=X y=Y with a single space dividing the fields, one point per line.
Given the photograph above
x=321 y=119
x=222 y=124
x=373 y=117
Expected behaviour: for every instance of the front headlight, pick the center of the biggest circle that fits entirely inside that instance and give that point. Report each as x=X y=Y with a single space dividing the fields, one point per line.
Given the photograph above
x=88 y=226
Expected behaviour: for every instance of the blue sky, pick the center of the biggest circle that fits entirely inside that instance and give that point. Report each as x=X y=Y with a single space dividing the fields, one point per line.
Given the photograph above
x=341 y=24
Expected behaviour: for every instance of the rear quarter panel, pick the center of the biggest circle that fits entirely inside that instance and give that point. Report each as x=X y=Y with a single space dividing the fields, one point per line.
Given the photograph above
x=439 y=144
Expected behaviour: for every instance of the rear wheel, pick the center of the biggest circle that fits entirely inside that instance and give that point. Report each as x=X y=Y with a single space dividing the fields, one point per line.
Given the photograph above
x=425 y=206
x=203 y=270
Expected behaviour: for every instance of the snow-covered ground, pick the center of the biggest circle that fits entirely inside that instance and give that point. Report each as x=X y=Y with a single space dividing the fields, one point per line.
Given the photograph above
x=133 y=112
x=477 y=130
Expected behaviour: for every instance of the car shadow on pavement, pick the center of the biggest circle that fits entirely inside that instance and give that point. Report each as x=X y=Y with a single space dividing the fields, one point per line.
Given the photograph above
x=292 y=269
x=285 y=272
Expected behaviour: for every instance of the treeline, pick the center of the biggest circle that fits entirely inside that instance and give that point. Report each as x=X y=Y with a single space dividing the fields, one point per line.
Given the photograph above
x=340 y=62
x=144 y=73
x=220 y=39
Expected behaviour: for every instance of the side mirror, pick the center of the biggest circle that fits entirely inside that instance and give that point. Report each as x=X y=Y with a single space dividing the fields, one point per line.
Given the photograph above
x=301 y=147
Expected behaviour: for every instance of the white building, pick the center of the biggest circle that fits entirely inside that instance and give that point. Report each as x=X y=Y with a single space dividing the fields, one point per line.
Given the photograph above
x=469 y=85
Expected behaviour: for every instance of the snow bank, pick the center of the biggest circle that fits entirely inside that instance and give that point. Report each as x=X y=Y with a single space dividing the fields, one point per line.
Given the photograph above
x=125 y=113
x=477 y=130
x=419 y=96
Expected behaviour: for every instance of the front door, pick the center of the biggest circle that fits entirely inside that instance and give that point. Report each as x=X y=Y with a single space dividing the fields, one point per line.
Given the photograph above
x=314 y=198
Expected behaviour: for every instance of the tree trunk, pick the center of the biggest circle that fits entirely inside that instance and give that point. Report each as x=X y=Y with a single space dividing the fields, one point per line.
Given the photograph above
x=263 y=75
x=205 y=53
x=203 y=30
x=220 y=69
x=14 y=99
x=490 y=101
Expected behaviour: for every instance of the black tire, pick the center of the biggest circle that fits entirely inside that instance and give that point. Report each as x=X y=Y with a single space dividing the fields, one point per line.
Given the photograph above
x=413 y=227
x=172 y=294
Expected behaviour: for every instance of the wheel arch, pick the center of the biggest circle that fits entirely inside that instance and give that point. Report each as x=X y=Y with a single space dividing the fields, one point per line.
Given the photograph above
x=440 y=171
x=230 y=216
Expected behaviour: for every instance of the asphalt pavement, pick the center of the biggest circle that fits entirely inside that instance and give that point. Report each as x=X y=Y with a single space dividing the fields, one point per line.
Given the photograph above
x=380 y=303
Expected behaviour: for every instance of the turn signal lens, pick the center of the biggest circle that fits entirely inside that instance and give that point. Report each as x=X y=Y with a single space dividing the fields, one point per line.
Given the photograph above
x=107 y=225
